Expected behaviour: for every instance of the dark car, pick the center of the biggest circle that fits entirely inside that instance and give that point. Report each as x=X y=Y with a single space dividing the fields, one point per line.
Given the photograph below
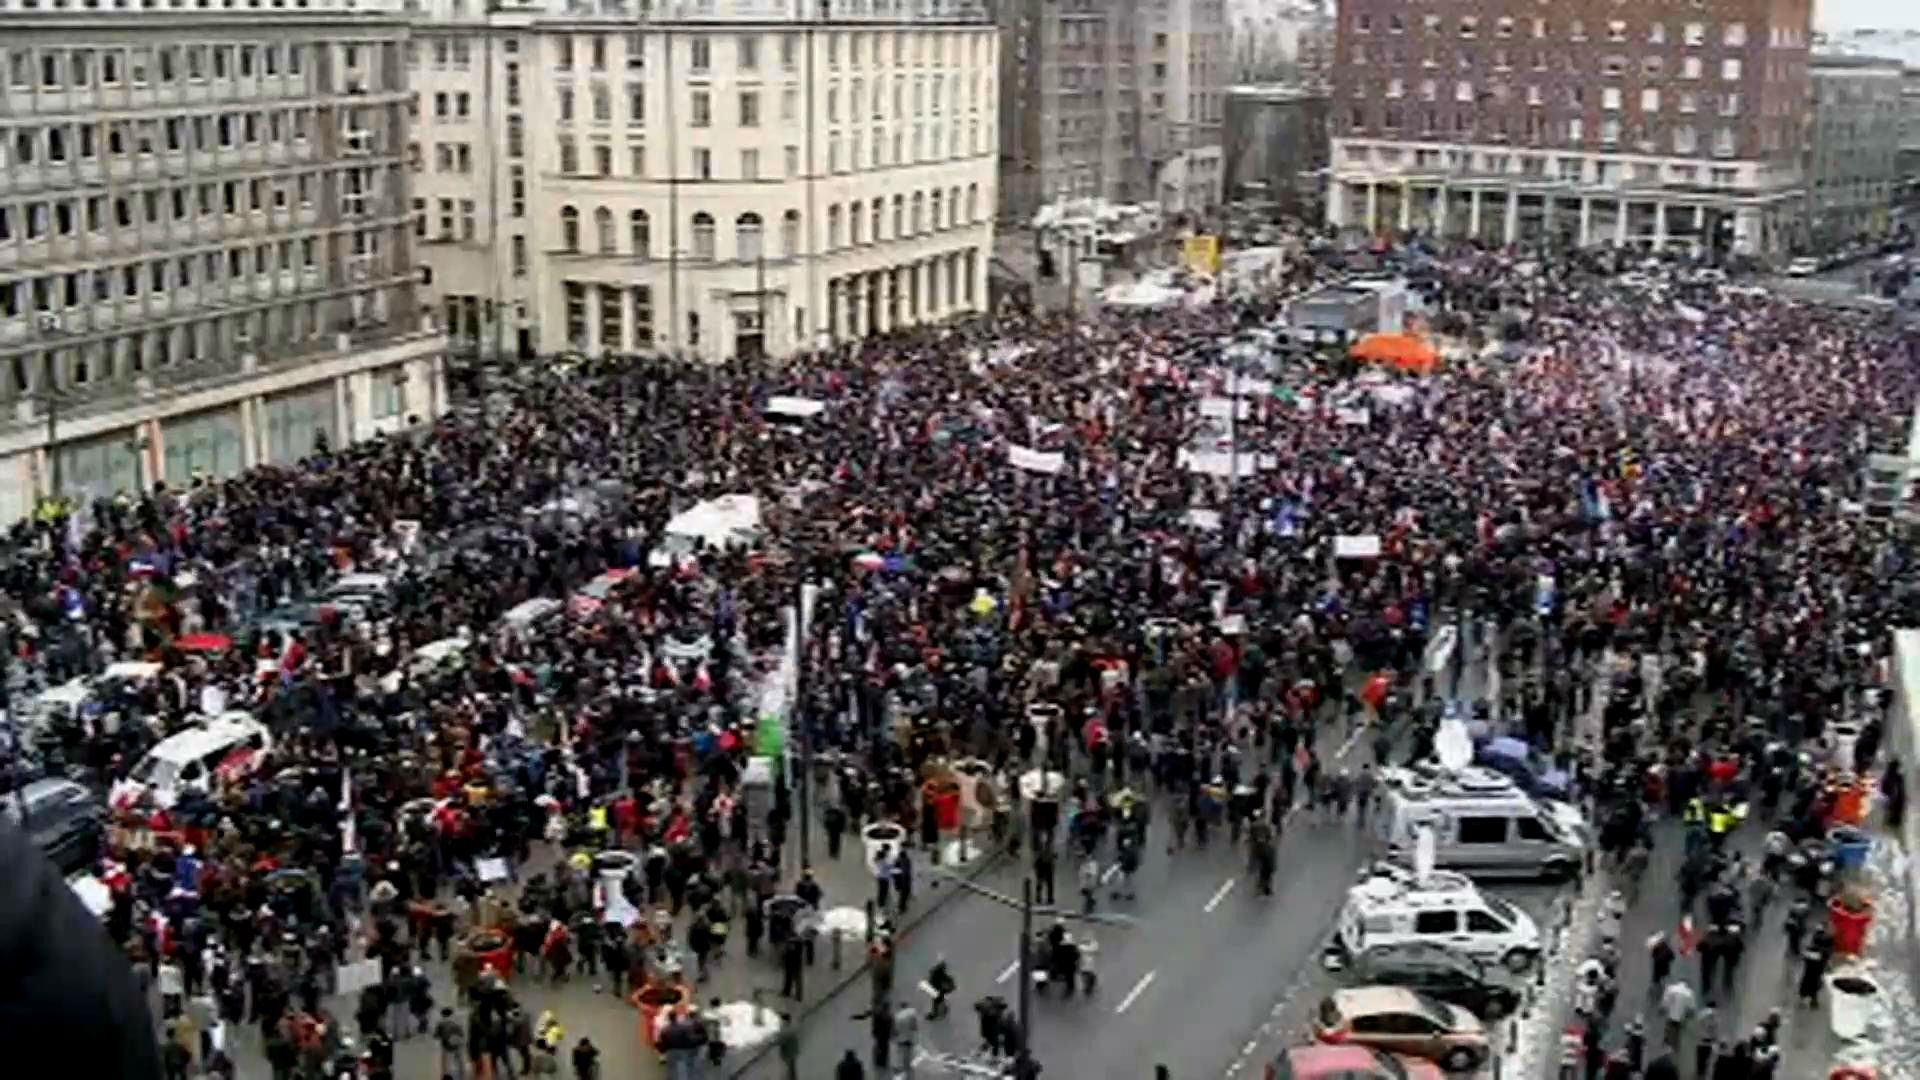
x=62 y=817
x=1440 y=973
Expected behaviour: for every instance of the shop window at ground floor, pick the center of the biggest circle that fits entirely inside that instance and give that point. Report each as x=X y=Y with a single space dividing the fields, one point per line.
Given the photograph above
x=207 y=445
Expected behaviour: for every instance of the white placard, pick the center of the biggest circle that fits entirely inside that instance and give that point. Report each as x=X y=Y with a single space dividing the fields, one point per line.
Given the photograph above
x=1204 y=519
x=1220 y=408
x=357 y=976
x=491 y=870
x=1440 y=649
x=1354 y=417
x=1221 y=463
x=1021 y=457
x=1356 y=547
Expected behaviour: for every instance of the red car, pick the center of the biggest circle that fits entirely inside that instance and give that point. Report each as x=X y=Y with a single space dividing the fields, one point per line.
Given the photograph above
x=1348 y=1062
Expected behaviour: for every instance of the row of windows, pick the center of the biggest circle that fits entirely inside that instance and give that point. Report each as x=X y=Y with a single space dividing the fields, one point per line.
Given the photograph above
x=842 y=156
x=73 y=69
x=865 y=224
x=1694 y=34
x=99 y=214
x=60 y=144
x=1575 y=96
x=747 y=233
x=127 y=356
x=1650 y=137
x=1600 y=171
x=595 y=52
x=1689 y=67
x=167 y=278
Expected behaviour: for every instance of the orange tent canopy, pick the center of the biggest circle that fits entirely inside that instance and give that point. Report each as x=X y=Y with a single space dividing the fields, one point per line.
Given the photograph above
x=1402 y=351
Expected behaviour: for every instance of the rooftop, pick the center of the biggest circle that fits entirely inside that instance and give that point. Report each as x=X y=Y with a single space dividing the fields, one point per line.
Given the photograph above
x=629 y=12
x=90 y=9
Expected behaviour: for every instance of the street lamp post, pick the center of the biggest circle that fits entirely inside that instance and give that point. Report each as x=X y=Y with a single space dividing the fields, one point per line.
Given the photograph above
x=137 y=446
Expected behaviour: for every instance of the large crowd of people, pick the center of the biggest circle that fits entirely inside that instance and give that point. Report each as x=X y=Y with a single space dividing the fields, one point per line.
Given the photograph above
x=1668 y=472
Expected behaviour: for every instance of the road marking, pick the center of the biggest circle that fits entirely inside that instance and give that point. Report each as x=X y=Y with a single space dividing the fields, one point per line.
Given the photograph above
x=1111 y=871
x=1139 y=988
x=1346 y=747
x=1012 y=970
x=1219 y=895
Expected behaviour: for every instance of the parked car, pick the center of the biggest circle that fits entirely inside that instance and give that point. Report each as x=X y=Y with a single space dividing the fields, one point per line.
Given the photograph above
x=1348 y=1063
x=1402 y=1021
x=1440 y=973
x=1803 y=267
x=64 y=819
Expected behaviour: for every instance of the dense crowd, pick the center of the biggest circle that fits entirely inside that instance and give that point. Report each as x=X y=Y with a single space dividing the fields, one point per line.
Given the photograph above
x=1666 y=474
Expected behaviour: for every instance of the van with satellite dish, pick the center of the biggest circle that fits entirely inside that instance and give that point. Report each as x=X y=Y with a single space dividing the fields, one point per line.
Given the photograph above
x=1482 y=823
x=1395 y=906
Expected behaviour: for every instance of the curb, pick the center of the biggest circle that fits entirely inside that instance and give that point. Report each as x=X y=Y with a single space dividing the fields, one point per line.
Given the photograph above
x=853 y=972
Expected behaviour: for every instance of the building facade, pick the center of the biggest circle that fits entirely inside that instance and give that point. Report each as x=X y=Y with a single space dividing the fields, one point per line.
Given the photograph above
x=1853 y=156
x=206 y=253
x=1280 y=41
x=1112 y=100
x=1578 y=121
x=711 y=179
x=1277 y=144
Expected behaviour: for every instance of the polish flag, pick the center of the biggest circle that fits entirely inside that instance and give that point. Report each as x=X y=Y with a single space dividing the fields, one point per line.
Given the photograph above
x=702 y=679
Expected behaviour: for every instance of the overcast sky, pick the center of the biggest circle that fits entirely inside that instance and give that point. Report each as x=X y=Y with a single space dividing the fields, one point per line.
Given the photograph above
x=1849 y=14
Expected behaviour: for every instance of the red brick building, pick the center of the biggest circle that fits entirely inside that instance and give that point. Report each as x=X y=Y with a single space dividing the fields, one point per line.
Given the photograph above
x=1647 y=122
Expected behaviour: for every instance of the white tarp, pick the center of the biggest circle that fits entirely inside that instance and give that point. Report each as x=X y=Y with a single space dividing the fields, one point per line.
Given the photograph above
x=1220 y=463
x=1356 y=547
x=798 y=408
x=1021 y=457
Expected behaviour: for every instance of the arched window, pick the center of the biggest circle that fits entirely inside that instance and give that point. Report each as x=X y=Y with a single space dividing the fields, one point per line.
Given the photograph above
x=640 y=234
x=833 y=226
x=703 y=235
x=919 y=218
x=790 y=235
x=879 y=211
x=938 y=220
x=953 y=208
x=603 y=230
x=569 y=229
x=899 y=216
x=973 y=203
x=746 y=237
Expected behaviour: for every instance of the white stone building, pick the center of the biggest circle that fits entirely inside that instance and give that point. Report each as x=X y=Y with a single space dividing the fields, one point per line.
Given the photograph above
x=206 y=261
x=711 y=178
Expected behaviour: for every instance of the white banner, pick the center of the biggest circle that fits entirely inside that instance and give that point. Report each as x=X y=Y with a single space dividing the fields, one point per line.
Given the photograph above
x=1356 y=547
x=1021 y=457
x=1220 y=463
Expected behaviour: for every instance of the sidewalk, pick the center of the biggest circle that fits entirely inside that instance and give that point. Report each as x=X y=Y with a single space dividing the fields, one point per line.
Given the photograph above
x=587 y=1007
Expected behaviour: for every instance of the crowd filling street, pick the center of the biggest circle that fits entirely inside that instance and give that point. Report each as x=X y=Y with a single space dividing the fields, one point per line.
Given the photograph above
x=428 y=756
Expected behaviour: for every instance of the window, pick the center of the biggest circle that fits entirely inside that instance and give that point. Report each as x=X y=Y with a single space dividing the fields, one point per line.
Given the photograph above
x=1436 y=922
x=790 y=52
x=569 y=229
x=702 y=163
x=833 y=226
x=749 y=164
x=1689 y=101
x=563 y=52
x=636 y=52
x=603 y=231
x=793 y=161
x=466 y=219
x=566 y=105
x=1650 y=100
x=1657 y=34
x=749 y=108
x=569 y=155
x=517 y=191
x=1735 y=35
x=446 y=219
x=642 y=316
x=702 y=109
x=640 y=234
x=516 y=138
x=636 y=105
x=1481 y=922
x=1730 y=69
x=747 y=48
x=790 y=233
x=1610 y=98
x=1730 y=105
x=1694 y=34
x=702 y=235
x=1690 y=67
x=597 y=51
x=513 y=86
x=702 y=51
x=1724 y=143
x=518 y=250
x=1529 y=828
x=1483 y=830
x=1617 y=30
x=789 y=105
x=746 y=237
x=602 y=105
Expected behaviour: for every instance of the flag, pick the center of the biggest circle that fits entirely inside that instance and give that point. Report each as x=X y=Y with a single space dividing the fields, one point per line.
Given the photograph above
x=349 y=829
x=702 y=679
x=292 y=656
x=1688 y=936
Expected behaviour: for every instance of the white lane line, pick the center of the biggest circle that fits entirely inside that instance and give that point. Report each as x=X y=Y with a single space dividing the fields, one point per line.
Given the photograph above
x=1219 y=895
x=1011 y=970
x=1110 y=873
x=1347 y=747
x=1139 y=988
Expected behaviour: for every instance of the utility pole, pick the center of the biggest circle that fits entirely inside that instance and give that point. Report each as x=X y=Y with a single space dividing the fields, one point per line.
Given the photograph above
x=53 y=449
x=1026 y=966
x=800 y=711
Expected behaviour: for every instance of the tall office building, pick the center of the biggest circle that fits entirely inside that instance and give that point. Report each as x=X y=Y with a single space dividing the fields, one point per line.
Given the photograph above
x=1115 y=100
x=206 y=253
x=706 y=178
x=1589 y=121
